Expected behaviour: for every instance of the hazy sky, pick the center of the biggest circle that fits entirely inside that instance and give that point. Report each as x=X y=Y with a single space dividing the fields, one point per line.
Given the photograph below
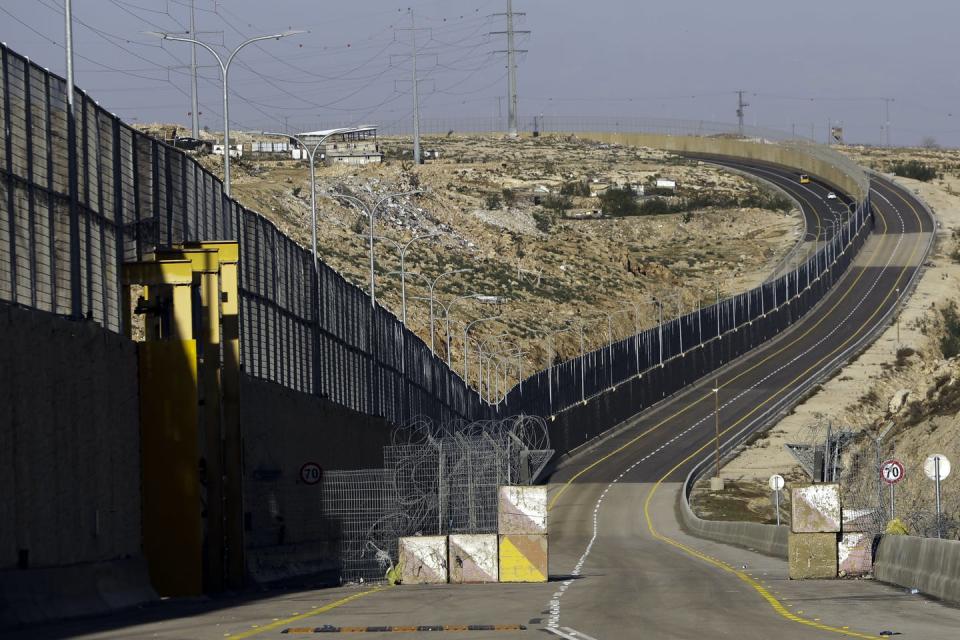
x=802 y=62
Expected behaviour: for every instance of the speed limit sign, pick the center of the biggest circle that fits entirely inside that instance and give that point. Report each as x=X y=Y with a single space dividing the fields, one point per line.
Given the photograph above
x=891 y=471
x=310 y=473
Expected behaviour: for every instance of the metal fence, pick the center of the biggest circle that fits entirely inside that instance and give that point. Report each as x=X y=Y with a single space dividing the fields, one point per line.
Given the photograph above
x=855 y=458
x=79 y=201
x=81 y=198
x=435 y=481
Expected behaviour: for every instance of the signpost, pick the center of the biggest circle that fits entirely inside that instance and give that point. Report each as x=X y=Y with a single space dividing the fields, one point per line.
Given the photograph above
x=937 y=468
x=776 y=483
x=310 y=473
x=891 y=472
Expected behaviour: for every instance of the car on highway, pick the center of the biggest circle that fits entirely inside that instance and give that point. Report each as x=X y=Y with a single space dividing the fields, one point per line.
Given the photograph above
x=804 y=178
x=831 y=196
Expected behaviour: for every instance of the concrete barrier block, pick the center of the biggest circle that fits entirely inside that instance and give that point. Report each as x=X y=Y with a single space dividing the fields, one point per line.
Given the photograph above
x=423 y=560
x=522 y=510
x=473 y=558
x=928 y=564
x=855 y=554
x=812 y=555
x=815 y=508
x=523 y=558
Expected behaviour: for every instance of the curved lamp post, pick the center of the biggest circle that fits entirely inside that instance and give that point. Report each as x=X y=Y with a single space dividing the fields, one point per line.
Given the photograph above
x=466 y=337
x=402 y=248
x=371 y=216
x=431 y=286
x=224 y=72
x=311 y=154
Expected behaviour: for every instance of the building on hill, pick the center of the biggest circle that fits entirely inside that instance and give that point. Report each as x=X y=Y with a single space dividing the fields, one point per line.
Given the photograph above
x=355 y=145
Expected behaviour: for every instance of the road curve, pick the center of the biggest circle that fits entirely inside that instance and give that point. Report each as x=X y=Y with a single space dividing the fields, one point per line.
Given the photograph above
x=620 y=566
x=612 y=509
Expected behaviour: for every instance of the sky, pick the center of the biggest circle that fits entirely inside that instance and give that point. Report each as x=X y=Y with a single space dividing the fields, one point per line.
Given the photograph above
x=802 y=64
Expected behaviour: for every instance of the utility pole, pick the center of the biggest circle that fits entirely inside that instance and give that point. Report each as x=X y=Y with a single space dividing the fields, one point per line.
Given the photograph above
x=741 y=105
x=194 y=100
x=416 y=91
x=416 y=87
x=886 y=119
x=76 y=293
x=511 y=52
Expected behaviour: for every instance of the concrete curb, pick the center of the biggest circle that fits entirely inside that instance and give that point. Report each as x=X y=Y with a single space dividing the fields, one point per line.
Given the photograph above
x=38 y=595
x=765 y=538
x=928 y=564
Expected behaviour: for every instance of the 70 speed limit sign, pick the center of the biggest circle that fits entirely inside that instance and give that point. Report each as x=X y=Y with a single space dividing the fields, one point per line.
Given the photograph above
x=891 y=471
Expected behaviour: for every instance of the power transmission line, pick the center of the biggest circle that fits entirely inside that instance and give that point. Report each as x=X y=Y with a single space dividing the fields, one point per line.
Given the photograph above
x=511 y=52
x=741 y=105
x=416 y=84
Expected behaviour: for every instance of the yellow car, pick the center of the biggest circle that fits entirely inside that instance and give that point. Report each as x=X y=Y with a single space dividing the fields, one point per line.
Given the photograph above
x=804 y=178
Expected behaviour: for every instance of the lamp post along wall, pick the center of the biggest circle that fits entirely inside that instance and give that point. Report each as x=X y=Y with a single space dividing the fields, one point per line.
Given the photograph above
x=225 y=75
x=311 y=156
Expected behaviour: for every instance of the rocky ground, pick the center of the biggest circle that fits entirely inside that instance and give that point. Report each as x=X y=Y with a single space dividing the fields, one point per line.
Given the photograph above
x=900 y=398
x=495 y=207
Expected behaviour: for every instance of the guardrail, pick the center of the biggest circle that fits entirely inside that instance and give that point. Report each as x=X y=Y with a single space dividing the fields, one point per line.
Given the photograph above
x=894 y=558
x=928 y=564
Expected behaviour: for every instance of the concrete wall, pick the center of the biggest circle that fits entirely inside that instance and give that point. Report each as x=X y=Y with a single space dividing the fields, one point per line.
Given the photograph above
x=928 y=564
x=282 y=430
x=69 y=462
x=813 y=160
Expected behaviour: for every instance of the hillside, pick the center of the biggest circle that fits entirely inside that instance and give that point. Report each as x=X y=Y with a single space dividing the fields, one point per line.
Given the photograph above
x=900 y=398
x=497 y=209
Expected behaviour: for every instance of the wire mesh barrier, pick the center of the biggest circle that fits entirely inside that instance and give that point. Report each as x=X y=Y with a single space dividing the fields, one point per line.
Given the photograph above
x=874 y=499
x=435 y=481
x=80 y=196
x=654 y=363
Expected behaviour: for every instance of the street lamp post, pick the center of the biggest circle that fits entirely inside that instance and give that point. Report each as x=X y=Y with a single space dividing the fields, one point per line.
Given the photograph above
x=225 y=71
x=371 y=215
x=466 y=336
x=583 y=380
x=402 y=248
x=718 y=305
x=311 y=155
x=482 y=344
x=431 y=287
x=551 y=352
x=449 y=307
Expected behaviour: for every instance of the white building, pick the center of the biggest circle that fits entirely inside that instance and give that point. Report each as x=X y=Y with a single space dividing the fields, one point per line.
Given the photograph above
x=354 y=145
x=235 y=150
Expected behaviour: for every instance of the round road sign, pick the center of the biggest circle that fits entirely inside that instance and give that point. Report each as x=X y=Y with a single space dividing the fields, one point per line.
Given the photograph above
x=891 y=471
x=776 y=482
x=936 y=462
x=310 y=473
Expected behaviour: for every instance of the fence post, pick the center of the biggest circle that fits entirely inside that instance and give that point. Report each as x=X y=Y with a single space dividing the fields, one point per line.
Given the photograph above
x=76 y=288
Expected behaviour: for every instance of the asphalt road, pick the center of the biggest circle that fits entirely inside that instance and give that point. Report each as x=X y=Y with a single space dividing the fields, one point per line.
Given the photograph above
x=620 y=567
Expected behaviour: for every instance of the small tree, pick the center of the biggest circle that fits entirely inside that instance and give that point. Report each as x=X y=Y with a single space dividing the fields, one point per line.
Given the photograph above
x=929 y=142
x=619 y=201
x=493 y=201
x=558 y=204
x=509 y=196
x=914 y=169
x=950 y=340
x=575 y=188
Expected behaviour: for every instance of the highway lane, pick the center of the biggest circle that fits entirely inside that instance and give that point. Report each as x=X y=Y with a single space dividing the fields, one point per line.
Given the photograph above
x=612 y=508
x=612 y=518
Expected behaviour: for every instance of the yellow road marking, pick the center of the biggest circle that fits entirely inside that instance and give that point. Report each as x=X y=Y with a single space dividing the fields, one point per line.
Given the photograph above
x=709 y=395
x=286 y=621
x=763 y=591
